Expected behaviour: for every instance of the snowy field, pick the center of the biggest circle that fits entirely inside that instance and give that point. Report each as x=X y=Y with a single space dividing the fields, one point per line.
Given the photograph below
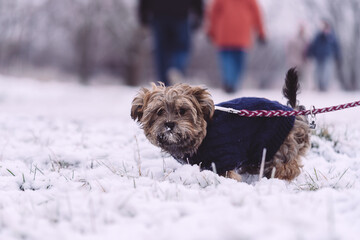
x=73 y=165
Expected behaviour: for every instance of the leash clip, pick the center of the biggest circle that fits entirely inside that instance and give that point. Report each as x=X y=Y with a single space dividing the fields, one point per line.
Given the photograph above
x=312 y=120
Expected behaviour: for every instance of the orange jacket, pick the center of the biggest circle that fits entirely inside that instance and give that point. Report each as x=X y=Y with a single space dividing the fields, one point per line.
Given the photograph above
x=231 y=22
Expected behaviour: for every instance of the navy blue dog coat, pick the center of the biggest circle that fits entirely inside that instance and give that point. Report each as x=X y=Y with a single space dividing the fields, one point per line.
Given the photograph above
x=233 y=142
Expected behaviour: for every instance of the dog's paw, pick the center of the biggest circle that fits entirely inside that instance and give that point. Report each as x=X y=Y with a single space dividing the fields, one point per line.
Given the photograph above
x=234 y=175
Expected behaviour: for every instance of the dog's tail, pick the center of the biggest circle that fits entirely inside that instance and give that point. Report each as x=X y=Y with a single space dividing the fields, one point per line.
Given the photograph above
x=291 y=87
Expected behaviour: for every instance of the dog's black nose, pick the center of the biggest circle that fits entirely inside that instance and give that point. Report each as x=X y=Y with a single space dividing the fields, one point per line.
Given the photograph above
x=170 y=125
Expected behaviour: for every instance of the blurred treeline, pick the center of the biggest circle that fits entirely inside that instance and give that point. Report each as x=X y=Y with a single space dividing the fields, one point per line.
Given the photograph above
x=76 y=36
x=90 y=37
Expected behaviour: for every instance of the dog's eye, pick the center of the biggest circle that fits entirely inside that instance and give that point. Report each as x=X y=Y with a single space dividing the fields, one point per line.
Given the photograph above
x=182 y=111
x=160 y=112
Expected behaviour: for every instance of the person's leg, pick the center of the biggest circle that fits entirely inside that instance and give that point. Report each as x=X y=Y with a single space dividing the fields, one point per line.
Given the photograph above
x=321 y=75
x=179 y=60
x=327 y=73
x=228 y=69
x=240 y=66
x=161 y=54
x=181 y=45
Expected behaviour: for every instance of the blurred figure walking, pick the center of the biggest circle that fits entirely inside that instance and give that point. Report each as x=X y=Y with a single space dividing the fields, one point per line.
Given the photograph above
x=231 y=26
x=296 y=50
x=171 y=22
x=324 y=48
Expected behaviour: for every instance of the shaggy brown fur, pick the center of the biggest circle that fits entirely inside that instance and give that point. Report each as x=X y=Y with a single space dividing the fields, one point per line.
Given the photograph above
x=175 y=119
x=287 y=160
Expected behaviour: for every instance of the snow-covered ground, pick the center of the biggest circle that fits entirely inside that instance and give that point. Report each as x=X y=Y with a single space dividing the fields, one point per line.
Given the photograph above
x=73 y=165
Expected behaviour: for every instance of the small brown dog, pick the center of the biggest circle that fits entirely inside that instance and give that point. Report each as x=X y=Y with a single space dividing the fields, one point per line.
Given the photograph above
x=182 y=121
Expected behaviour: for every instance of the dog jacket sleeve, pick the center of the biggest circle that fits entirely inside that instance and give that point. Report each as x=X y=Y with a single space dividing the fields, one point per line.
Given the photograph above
x=233 y=142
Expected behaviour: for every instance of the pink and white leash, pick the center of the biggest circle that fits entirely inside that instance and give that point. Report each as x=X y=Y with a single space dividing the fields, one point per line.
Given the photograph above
x=281 y=113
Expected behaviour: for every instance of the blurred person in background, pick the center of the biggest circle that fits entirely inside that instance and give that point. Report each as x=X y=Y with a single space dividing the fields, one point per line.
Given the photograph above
x=296 y=50
x=171 y=22
x=324 y=48
x=231 y=27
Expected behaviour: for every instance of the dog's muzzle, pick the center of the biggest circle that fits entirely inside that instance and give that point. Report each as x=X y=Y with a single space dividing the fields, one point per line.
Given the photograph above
x=167 y=138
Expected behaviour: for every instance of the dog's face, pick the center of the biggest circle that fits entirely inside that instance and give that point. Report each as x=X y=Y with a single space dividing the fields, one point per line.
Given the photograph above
x=174 y=118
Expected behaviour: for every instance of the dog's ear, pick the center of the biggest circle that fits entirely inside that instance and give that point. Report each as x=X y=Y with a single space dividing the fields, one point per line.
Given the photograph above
x=137 y=106
x=205 y=101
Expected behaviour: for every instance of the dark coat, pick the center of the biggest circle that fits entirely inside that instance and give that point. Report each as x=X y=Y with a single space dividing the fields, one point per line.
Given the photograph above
x=324 y=47
x=169 y=9
x=233 y=142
